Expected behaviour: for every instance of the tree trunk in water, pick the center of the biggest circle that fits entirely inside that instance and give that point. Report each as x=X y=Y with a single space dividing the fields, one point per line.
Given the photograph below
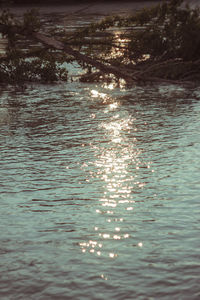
x=108 y=69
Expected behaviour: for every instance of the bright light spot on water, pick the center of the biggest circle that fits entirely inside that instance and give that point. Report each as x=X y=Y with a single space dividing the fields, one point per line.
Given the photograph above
x=95 y=94
x=117 y=140
x=109 y=212
x=113 y=106
x=110 y=86
x=116 y=237
x=126 y=235
x=112 y=255
x=93 y=243
x=117 y=229
x=126 y=201
x=140 y=244
x=110 y=103
x=145 y=57
x=129 y=208
x=104 y=277
x=107 y=202
x=106 y=236
x=119 y=49
x=83 y=244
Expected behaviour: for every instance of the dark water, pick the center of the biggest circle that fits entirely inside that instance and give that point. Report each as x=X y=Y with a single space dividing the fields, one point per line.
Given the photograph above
x=100 y=193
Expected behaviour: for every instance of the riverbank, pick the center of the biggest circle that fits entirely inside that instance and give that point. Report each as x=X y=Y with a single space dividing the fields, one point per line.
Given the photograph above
x=56 y=2
x=85 y=7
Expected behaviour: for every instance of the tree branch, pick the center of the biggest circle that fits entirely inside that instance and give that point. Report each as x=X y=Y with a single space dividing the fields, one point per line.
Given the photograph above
x=51 y=42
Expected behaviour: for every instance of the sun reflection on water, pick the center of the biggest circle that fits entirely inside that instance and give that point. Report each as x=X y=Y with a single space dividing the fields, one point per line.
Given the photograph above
x=119 y=48
x=116 y=164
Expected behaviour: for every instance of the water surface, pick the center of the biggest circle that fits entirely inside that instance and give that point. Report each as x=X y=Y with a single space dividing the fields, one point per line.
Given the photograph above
x=99 y=189
x=99 y=192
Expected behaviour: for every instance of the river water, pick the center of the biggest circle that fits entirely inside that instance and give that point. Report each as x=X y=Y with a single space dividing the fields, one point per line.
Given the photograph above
x=99 y=192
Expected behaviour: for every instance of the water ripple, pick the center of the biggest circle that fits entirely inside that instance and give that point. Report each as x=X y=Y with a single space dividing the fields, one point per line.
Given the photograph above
x=99 y=193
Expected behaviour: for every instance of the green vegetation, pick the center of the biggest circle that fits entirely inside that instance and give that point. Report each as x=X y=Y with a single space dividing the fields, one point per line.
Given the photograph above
x=24 y=61
x=156 y=44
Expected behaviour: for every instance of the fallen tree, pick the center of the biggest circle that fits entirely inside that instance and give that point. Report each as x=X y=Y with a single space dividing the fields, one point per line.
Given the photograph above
x=156 y=44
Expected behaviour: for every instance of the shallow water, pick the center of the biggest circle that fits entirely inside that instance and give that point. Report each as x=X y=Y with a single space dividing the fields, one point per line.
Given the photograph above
x=99 y=192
